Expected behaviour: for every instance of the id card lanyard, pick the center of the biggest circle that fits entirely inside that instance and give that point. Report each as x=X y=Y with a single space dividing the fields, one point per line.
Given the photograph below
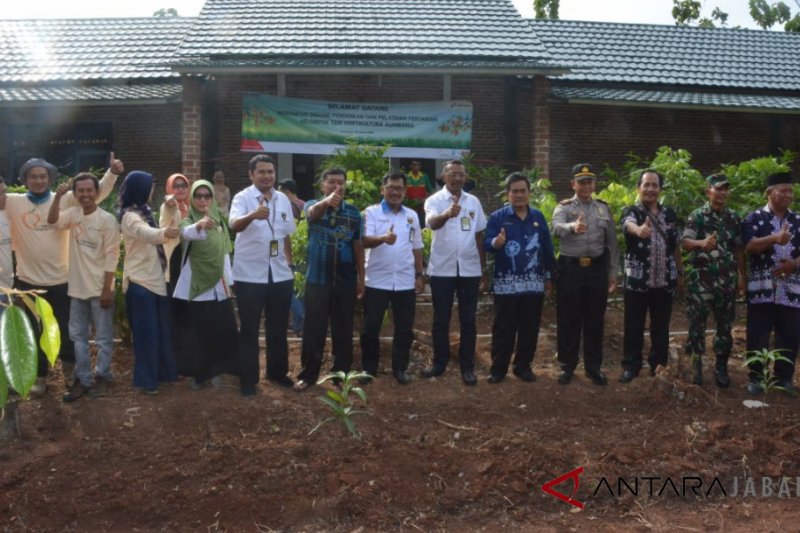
x=273 y=244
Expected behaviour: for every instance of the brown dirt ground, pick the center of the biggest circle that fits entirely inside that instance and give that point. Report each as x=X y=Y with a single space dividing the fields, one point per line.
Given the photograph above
x=435 y=455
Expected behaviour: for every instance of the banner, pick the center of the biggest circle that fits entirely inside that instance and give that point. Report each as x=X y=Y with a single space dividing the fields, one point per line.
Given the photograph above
x=430 y=130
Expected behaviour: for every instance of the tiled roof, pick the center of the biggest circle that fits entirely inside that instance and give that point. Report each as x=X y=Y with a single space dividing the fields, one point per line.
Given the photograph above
x=46 y=50
x=380 y=29
x=98 y=93
x=676 y=98
x=673 y=55
x=299 y=63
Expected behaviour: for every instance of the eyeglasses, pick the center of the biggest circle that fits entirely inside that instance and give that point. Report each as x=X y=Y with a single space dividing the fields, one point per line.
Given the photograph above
x=180 y=185
x=202 y=196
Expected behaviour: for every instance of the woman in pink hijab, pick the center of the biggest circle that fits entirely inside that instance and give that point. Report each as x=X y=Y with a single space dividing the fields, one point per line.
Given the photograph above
x=174 y=209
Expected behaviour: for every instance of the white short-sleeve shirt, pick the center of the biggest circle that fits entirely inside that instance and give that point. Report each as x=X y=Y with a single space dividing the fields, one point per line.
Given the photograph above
x=391 y=267
x=454 y=251
x=254 y=254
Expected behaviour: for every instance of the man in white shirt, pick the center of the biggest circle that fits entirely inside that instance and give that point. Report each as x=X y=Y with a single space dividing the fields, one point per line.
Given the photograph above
x=93 y=257
x=261 y=216
x=455 y=267
x=393 y=275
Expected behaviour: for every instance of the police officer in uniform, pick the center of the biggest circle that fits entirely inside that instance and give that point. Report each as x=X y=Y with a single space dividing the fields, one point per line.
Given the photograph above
x=586 y=273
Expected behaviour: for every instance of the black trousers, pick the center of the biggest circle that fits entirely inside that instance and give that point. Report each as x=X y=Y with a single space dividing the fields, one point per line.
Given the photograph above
x=56 y=296
x=762 y=319
x=516 y=322
x=271 y=300
x=637 y=304
x=212 y=333
x=323 y=303
x=403 y=310
x=581 y=298
x=443 y=289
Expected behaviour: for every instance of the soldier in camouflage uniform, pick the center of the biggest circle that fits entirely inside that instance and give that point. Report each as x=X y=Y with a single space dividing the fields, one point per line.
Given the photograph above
x=713 y=238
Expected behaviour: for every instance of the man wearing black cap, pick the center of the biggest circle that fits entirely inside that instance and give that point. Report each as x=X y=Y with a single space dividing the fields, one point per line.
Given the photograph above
x=586 y=273
x=43 y=251
x=771 y=236
x=713 y=238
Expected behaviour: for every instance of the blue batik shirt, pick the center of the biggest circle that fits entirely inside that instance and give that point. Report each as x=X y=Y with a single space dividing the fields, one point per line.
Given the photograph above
x=330 y=245
x=527 y=260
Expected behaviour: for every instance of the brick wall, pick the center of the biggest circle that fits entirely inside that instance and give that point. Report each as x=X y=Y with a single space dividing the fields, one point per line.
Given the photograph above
x=603 y=135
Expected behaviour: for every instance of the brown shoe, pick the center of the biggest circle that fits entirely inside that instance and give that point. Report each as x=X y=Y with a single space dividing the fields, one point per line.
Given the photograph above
x=76 y=391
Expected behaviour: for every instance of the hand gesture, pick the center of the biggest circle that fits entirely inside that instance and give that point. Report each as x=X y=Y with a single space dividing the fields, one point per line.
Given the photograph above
x=170 y=201
x=207 y=223
x=784 y=268
x=172 y=233
x=64 y=188
x=334 y=199
x=580 y=224
x=710 y=242
x=783 y=236
x=500 y=240
x=454 y=210
x=645 y=230
x=390 y=237
x=262 y=211
x=115 y=165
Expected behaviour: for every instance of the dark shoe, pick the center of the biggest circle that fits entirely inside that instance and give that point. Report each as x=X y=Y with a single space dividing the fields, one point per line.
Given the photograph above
x=196 y=385
x=248 y=390
x=402 y=377
x=698 y=371
x=432 y=372
x=652 y=371
x=597 y=377
x=627 y=376
x=721 y=378
x=564 y=378
x=100 y=388
x=75 y=391
x=786 y=387
x=469 y=377
x=525 y=375
x=755 y=389
x=495 y=379
x=283 y=381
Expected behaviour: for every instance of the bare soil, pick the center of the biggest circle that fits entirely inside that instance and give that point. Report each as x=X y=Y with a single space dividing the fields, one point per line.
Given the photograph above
x=435 y=455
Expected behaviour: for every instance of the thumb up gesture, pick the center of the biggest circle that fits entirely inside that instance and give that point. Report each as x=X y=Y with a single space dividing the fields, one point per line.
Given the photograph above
x=710 y=242
x=390 y=237
x=454 y=209
x=500 y=240
x=645 y=230
x=580 y=224
x=783 y=236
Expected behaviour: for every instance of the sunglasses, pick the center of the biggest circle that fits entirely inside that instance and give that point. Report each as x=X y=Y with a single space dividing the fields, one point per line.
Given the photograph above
x=202 y=196
x=179 y=185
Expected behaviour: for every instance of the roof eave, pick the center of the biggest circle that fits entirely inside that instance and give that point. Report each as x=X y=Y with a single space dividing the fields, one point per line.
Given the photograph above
x=253 y=70
x=689 y=107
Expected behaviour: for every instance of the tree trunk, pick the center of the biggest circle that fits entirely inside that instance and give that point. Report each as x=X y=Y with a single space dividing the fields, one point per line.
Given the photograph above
x=9 y=423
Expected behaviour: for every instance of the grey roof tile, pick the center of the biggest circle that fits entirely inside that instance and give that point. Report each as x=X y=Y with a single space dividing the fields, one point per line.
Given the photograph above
x=89 y=49
x=676 y=98
x=357 y=28
x=646 y=53
x=94 y=93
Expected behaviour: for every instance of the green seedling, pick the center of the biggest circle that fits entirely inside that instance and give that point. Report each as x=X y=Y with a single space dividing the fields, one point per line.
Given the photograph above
x=341 y=402
x=767 y=359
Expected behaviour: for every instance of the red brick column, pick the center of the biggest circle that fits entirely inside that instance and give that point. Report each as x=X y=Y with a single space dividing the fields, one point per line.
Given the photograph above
x=540 y=151
x=192 y=106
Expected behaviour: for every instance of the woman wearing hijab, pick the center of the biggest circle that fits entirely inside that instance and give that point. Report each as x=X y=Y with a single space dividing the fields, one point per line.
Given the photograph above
x=204 y=283
x=144 y=285
x=174 y=209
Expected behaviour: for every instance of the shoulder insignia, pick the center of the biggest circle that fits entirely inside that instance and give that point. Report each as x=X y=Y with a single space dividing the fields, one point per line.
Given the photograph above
x=566 y=202
x=601 y=201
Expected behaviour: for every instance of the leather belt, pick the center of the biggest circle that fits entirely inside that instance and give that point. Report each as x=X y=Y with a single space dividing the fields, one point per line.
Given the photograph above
x=582 y=261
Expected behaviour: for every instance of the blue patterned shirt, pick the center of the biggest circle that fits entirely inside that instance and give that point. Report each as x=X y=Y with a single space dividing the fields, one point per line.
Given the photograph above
x=527 y=260
x=763 y=287
x=330 y=245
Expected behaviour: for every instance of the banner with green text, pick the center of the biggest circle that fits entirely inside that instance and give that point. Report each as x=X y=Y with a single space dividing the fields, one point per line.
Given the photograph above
x=432 y=130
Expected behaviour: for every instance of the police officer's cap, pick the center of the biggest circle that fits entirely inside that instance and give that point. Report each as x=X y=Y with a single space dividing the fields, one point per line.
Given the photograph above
x=717 y=180
x=582 y=171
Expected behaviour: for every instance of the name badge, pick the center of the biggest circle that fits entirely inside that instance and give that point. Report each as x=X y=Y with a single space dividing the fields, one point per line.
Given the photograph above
x=465 y=224
x=411 y=235
x=273 y=248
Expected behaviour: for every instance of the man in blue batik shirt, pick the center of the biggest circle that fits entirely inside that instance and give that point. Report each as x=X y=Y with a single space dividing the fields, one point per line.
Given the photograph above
x=519 y=238
x=771 y=236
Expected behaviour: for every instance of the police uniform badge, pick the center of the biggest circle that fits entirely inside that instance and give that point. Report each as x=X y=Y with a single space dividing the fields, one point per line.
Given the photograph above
x=283 y=216
x=410 y=220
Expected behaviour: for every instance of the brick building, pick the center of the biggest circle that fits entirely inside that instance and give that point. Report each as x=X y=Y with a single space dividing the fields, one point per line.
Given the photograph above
x=167 y=93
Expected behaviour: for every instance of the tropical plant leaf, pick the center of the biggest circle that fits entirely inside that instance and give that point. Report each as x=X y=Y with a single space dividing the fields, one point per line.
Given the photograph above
x=50 y=340
x=335 y=396
x=351 y=427
x=3 y=388
x=30 y=304
x=331 y=419
x=333 y=405
x=18 y=350
x=361 y=393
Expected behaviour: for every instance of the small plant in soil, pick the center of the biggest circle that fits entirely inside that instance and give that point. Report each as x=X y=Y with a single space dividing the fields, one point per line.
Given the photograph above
x=342 y=402
x=767 y=359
